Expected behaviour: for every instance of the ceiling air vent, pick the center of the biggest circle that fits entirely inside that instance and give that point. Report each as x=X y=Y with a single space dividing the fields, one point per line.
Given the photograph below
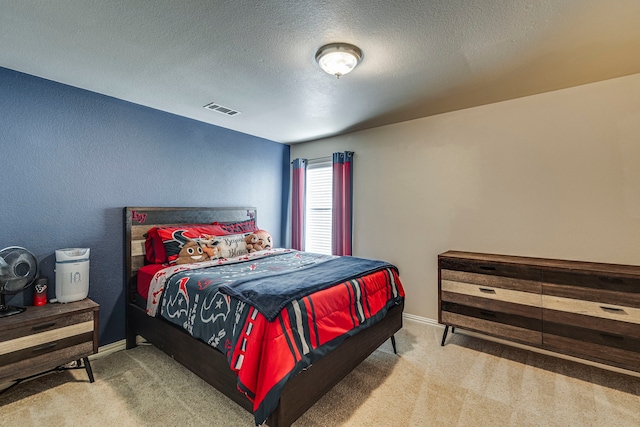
x=214 y=106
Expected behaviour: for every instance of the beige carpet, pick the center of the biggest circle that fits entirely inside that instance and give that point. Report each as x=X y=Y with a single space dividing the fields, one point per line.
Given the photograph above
x=469 y=382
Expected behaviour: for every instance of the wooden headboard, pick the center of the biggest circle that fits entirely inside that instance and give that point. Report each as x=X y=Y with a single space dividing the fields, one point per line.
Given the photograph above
x=139 y=220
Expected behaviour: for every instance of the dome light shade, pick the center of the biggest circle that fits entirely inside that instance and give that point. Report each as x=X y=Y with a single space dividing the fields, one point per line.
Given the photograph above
x=338 y=59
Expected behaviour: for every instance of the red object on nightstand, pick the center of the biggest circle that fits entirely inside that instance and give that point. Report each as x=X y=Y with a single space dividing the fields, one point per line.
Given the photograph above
x=40 y=293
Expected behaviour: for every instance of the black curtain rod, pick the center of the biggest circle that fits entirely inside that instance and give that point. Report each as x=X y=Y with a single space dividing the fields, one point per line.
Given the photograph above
x=318 y=158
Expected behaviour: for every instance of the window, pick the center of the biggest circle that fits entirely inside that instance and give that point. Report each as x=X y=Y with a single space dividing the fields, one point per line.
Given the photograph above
x=322 y=204
x=318 y=207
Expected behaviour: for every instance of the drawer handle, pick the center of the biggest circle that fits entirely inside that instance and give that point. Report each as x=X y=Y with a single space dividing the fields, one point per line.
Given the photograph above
x=612 y=309
x=44 y=347
x=487 y=313
x=487 y=267
x=487 y=290
x=43 y=326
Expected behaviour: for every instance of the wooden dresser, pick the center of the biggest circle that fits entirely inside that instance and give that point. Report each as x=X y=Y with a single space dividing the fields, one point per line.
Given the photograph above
x=42 y=338
x=587 y=310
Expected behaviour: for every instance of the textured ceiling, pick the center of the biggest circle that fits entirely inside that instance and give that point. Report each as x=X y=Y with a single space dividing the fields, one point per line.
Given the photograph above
x=420 y=57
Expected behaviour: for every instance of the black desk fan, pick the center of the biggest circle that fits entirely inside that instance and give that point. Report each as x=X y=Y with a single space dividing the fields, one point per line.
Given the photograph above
x=18 y=270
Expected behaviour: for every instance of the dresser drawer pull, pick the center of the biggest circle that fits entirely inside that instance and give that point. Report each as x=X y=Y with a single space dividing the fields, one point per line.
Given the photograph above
x=487 y=313
x=487 y=290
x=44 y=347
x=612 y=309
x=487 y=267
x=43 y=326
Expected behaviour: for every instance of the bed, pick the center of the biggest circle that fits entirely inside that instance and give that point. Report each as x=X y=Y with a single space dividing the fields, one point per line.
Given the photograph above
x=300 y=391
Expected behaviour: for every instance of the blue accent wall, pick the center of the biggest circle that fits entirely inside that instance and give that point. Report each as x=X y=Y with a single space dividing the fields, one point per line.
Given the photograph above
x=71 y=159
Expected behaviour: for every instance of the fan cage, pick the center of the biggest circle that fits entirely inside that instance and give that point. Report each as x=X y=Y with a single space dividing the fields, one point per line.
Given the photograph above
x=18 y=271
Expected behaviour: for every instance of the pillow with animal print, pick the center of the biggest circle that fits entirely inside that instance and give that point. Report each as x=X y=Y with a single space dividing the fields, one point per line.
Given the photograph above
x=163 y=244
x=174 y=239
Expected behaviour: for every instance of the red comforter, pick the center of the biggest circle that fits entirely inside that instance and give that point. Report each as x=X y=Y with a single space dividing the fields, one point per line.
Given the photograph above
x=266 y=354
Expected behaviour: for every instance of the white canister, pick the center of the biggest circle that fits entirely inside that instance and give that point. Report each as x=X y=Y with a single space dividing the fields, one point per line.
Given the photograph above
x=72 y=274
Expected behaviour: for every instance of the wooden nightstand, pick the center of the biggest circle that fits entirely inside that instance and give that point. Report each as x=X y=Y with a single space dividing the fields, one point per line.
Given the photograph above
x=43 y=338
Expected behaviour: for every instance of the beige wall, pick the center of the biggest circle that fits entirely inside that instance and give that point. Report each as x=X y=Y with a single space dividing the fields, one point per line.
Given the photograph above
x=555 y=175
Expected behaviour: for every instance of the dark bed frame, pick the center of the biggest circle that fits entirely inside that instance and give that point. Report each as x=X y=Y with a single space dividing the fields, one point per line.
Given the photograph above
x=302 y=391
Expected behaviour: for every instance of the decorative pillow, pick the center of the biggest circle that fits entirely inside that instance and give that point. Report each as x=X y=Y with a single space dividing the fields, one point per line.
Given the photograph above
x=158 y=238
x=228 y=246
x=174 y=238
x=153 y=248
x=191 y=252
x=258 y=240
x=236 y=227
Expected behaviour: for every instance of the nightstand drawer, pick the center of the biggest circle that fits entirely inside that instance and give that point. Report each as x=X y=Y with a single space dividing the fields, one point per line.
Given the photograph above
x=44 y=362
x=35 y=340
x=34 y=345
x=43 y=326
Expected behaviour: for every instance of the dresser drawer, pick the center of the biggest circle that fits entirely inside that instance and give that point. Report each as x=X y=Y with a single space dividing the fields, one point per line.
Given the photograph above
x=491 y=268
x=614 y=340
x=592 y=294
x=495 y=298
x=533 y=312
x=485 y=280
x=490 y=327
x=609 y=349
x=590 y=322
x=594 y=280
x=592 y=308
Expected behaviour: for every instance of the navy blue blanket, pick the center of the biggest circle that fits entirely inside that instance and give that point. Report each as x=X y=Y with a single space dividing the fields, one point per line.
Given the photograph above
x=270 y=294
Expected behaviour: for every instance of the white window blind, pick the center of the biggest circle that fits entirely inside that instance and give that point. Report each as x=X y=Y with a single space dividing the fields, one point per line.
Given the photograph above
x=318 y=207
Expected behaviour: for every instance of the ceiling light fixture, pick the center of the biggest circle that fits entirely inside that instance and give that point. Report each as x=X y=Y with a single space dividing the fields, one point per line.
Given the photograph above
x=338 y=59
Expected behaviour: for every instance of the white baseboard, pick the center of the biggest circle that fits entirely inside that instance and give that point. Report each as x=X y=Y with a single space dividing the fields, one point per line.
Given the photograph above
x=108 y=349
x=420 y=319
